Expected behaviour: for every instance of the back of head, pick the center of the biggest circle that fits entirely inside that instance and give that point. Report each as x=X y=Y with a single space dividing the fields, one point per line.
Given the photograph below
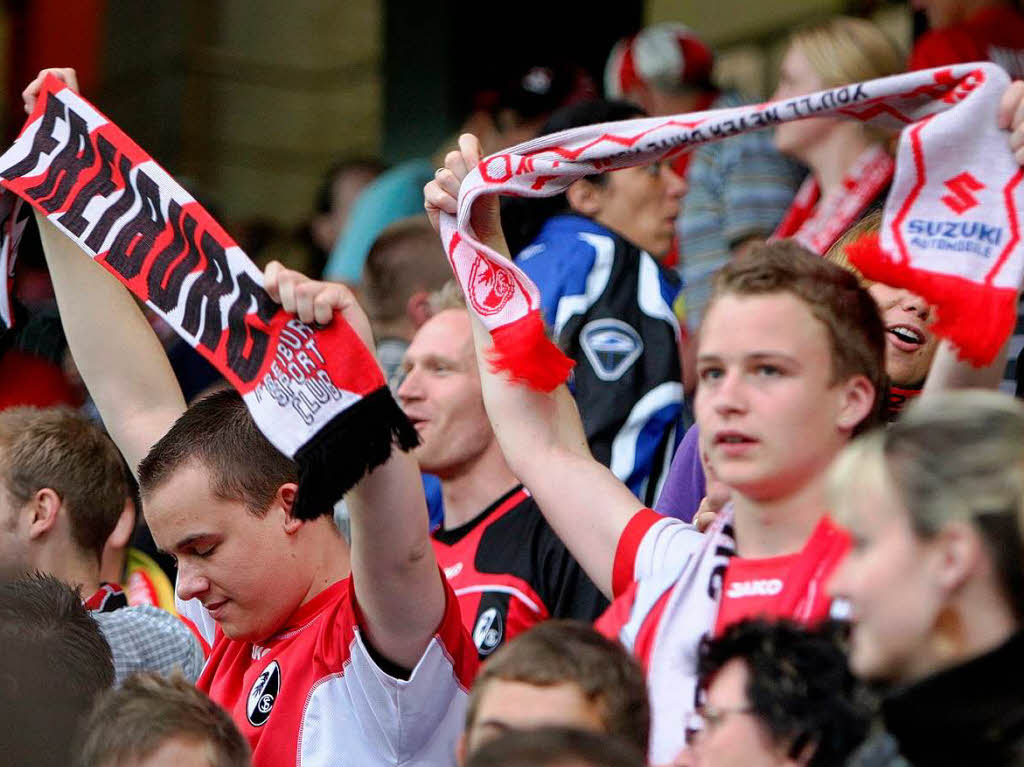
x=668 y=56
x=555 y=747
x=557 y=652
x=406 y=258
x=218 y=433
x=798 y=684
x=130 y=724
x=54 y=663
x=846 y=50
x=59 y=449
x=855 y=331
x=954 y=457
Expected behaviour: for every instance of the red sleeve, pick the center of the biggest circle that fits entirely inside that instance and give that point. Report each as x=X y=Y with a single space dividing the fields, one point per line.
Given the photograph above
x=617 y=615
x=629 y=543
x=450 y=632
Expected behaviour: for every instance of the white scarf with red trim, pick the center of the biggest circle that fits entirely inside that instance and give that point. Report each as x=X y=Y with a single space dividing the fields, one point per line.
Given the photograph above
x=950 y=230
x=316 y=393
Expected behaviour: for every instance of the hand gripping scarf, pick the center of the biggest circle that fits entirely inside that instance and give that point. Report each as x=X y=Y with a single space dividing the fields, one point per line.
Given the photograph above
x=316 y=393
x=950 y=230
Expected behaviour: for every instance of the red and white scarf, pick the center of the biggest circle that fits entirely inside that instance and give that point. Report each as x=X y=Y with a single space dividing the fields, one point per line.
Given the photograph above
x=817 y=223
x=950 y=230
x=316 y=393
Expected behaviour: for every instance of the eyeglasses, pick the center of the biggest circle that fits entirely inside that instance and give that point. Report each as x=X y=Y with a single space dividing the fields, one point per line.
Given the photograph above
x=707 y=719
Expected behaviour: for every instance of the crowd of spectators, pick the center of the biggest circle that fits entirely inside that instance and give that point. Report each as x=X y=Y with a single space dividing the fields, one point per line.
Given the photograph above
x=771 y=519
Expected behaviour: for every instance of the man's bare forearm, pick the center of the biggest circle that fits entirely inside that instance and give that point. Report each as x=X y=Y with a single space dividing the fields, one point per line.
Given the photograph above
x=116 y=351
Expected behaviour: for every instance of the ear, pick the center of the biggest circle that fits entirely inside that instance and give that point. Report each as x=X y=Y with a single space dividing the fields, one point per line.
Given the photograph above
x=417 y=308
x=857 y=400
x=959 y=548
x=45 y=508
x=585 y=197
x=460 y=749
x=285 y=498
x=122 y=533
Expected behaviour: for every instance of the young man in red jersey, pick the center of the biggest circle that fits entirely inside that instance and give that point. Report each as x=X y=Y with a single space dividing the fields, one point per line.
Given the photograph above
x=314 y=667
x=790 y=367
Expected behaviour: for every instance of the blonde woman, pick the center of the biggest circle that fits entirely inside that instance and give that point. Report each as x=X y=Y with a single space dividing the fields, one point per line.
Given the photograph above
x=850 y=166
x=935 y=579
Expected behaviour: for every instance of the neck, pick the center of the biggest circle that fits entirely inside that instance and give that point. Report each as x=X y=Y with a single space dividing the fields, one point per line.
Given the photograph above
x=328 y=553
x=780 y=526
x=72 y=566
x=830 y=159
x=466 y=493
x=976 y=622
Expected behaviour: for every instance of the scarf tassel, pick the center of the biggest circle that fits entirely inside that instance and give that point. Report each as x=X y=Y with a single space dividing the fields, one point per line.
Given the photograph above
x=973 y=316
x=351 y=445
x=523 y=350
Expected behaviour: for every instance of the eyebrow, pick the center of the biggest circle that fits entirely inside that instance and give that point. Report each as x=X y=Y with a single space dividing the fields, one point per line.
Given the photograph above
x=187 y=541
x=753 y=356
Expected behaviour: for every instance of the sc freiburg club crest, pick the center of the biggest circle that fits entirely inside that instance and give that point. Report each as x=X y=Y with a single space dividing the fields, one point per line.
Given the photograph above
x=264 y=692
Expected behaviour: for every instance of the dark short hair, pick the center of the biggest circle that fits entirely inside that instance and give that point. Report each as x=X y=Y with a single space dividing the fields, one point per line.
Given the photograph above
x=363 y=166
x=799 y=685
x=218 y=433
x=555 y=747
x=559 y=651
x=134 y=721
x=856 y=334
x=405 y=258
x=54 y=663
x=59 y=449
x=523 y=217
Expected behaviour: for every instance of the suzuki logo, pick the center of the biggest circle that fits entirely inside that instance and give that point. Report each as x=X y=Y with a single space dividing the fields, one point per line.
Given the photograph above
x=961 y=199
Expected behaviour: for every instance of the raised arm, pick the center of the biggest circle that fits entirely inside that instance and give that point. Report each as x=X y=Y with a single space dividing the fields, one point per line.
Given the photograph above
x=119 y=357
x=397 y=581
x=541 y=434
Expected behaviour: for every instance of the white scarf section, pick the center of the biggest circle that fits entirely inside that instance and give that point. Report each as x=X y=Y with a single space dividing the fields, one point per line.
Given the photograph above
x=951 y=224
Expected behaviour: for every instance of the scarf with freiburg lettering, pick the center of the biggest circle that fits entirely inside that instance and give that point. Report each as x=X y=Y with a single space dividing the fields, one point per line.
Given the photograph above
x=950 y=230
x=316 y=393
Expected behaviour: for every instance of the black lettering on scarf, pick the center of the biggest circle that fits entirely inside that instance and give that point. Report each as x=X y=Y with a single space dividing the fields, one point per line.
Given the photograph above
x=164 y=280
x=99 y=185
x=135 y=239
x=42 y=143
x=246 y=366
x=123 y=204
x=214 y=282
x=65 y=168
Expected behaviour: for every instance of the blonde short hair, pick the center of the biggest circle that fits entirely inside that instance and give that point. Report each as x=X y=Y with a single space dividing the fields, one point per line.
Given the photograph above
x=846 y=50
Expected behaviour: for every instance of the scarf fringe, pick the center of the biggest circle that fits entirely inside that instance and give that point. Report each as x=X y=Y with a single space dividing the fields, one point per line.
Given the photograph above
x=523 y=350
x=976 y=318
x=351 y=445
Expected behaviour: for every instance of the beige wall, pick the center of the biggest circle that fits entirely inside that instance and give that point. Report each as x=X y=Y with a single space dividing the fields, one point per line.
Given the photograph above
x=252 y=98
x=293 y=85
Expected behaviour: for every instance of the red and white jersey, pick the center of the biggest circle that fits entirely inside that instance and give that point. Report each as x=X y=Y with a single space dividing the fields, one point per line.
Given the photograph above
x=669 y=579
x=311 y=695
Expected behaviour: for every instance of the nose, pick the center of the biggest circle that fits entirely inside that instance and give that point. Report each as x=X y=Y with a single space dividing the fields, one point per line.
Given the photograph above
x=837 y=584
x=191 y=583
x=909 y=302
x=728 y=394
x=409 y=388
x=675 y=185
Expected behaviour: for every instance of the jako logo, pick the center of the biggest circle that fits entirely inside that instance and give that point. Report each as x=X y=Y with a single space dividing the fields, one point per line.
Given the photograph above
x=488 y=632
x=263 y=694
x=961 y=200
x=762 y=588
